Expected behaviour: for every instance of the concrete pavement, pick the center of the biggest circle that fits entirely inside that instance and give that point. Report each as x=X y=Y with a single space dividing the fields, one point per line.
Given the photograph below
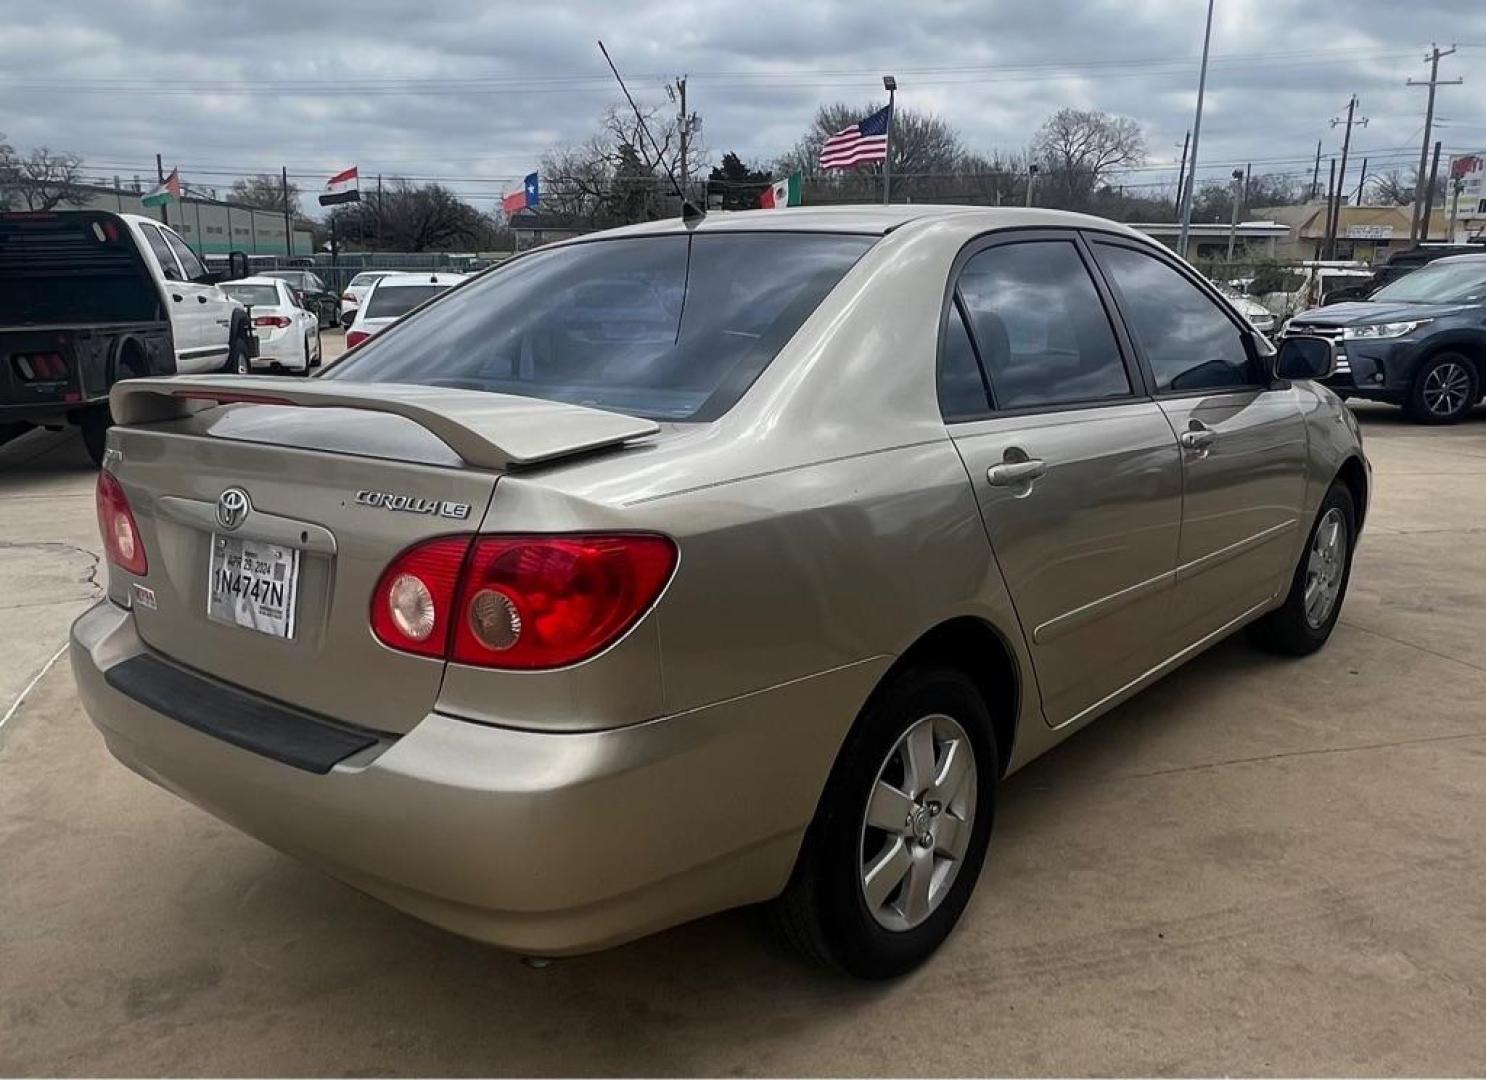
x=1258 y=866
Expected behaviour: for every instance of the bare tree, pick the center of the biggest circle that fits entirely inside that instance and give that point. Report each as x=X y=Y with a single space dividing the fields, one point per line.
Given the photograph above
x=1395 y=188
x=1080 y=149
x=42 y=179
x=264 y=191
x=412 y=217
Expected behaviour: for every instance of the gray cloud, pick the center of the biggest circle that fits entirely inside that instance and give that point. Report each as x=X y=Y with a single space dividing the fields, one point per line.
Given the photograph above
x=475 y=90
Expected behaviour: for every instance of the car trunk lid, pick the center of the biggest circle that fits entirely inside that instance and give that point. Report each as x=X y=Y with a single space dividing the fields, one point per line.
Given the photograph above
x=325 y=506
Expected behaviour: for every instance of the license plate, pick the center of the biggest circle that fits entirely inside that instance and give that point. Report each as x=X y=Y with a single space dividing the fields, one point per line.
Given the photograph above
x=253 y=584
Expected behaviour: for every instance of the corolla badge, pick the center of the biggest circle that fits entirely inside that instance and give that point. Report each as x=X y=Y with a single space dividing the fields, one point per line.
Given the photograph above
x=232 y=508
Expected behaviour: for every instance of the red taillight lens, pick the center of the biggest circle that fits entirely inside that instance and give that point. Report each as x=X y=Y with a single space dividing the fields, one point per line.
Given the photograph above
x=547 y=601
x=277 y=321
x=355 y=338
x=522 y=602
x=349 y=298
x=121 y=542
x=413 y=603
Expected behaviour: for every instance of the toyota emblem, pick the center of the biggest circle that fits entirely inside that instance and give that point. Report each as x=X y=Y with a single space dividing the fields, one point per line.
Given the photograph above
x=232 y=508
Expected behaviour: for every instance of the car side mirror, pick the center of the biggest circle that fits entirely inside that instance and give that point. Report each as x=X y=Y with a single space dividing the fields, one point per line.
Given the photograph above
x=1303 y=357
x=237 y=266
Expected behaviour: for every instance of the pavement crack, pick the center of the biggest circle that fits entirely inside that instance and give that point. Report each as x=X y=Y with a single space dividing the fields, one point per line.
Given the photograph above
x=94 y=562
x=1411 y=645
x=1317 y=752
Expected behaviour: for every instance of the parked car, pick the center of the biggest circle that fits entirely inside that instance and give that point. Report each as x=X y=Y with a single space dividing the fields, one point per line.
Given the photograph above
x=555 y=635
x=88 y=297
x=356 y=292
x=1397 y=265
x=288 y=333
x=393 y=296
x=1419 y=342
x=313 y=293
x=1259 y=316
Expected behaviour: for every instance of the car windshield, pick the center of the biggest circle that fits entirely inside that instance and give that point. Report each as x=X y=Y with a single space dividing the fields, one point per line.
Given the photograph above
x=392 y=301
x=665 y=327
x=253 y=295
x=1443 y=282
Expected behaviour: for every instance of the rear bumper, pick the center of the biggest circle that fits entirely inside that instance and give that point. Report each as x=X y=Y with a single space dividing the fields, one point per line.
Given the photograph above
x=544 y=843
x=283 y=351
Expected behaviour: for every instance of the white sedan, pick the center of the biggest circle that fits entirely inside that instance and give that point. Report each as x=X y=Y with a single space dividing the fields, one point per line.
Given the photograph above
x=288 y=334
x=356 y=291
x=391 y=298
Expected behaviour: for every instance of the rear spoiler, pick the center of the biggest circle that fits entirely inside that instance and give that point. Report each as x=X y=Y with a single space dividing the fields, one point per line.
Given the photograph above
x=488 y=431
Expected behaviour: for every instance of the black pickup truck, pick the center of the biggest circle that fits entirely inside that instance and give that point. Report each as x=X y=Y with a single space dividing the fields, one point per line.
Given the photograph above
x=1419 y=342
x=89 y=297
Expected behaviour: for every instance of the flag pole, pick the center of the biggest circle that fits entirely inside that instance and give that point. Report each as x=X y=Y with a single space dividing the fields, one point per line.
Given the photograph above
x=160 y=174
x=889 y=84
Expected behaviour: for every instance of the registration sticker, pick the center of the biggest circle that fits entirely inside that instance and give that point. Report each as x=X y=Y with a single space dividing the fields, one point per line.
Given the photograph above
x=253 y=584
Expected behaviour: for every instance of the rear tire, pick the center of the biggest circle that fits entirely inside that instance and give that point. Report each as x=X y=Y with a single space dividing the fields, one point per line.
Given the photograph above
x=237 y=353
x=1445 y=389
x=825 y=912
x=1304 y=622
x=96 y=420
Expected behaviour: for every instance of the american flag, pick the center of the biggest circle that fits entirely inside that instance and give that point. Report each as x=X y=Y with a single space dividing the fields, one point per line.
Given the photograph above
x=864 y=141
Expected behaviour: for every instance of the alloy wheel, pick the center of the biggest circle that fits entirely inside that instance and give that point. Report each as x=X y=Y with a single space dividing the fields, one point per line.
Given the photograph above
x=917 y=823
x=1447 y=388
x=1325 y=567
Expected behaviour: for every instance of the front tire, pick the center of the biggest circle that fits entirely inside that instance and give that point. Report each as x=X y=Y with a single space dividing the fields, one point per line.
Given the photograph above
x=1445 y=389
x=898 y=841
x=1305 y=621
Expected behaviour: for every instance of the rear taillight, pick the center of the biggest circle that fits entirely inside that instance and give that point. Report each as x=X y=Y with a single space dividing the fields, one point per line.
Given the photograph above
x=121 y=542
x=413 y=604
x=355 y=338
x=348 y=298
x=276 y=321
x=40 y=367
x=525 y=602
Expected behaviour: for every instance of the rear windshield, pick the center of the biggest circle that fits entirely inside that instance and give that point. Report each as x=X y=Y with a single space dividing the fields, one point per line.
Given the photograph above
x=367 y=279
x=1439 y=283
x=391 y=301
x=665 y=327
x=253 y=295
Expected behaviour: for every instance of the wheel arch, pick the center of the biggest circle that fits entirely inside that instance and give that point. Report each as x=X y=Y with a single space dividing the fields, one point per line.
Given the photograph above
x=1471 y=346
x=1354 y=475
x=979 y=650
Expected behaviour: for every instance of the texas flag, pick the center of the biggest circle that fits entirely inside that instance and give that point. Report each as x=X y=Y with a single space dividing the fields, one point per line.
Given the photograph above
x=528 y=197
x=342 y=187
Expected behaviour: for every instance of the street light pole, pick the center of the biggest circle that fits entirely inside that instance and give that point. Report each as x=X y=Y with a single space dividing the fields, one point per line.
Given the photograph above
x=889 y=84
x=1186 y=200
x=1032 y=172
x=1233 y=226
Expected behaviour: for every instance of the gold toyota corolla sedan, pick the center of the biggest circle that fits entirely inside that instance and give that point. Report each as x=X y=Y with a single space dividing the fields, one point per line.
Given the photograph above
x=697 y=564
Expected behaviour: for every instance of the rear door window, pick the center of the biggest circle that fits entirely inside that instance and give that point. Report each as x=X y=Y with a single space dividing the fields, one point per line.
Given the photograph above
x=190 y=264
x=1040 y=326
x=671 y=327
x=161 y=250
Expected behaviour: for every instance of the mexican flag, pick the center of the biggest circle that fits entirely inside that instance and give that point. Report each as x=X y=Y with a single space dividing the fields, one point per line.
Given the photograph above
x=169 y=189
x=782 y=193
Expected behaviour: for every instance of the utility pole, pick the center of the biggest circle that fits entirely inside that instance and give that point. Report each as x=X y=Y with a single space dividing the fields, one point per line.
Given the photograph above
x=160 y=176
x=1434 y=172
x=1185 y=210
x=890 y=84
x=1341 y=176
x=1316 y=174
x=1032 y=171
x=381 y=210
x=1416 y=223
x=1238 y=179
x=288 y=226
x=1457 y=183
x=686 y=125
x=1330 y=205
x=1361 y=182
x=1181 y=172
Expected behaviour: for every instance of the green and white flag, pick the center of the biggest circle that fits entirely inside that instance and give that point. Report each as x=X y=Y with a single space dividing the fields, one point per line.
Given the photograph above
x=168 y=191
x=781 y=193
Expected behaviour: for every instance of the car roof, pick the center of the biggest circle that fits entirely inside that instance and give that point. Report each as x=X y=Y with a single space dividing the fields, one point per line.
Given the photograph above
x=255 y=280
x=1471 y=258
x=876 y=219
x=399 y=277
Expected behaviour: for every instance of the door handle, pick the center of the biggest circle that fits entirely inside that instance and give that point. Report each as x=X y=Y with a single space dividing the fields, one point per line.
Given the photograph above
x=177 y=297
x=1198 y=438
x=201 y=299
x=1012 y=473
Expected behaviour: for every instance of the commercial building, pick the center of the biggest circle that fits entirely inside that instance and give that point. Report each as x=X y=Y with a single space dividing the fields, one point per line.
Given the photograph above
x=210 y=226
x=1208 y=241
x=1364 y=233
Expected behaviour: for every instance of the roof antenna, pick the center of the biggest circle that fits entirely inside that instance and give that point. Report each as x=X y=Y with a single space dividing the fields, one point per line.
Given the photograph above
x=690 y=212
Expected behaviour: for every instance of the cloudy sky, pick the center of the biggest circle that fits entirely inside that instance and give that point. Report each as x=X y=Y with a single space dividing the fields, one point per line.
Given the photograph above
x=472 y=92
